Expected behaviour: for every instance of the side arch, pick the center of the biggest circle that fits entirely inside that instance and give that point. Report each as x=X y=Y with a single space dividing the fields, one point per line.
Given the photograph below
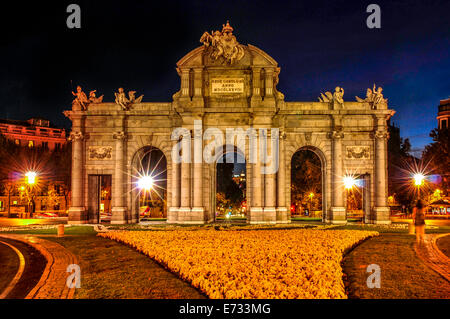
x=159 y=169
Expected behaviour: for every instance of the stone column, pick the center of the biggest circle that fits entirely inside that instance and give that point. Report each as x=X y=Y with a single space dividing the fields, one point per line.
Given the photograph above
x=282 y=209
x=256 y=83
x=338 y=212
x=184 y=213
x=381 y=213
x=269 y=82
x=119 y=210
x=185 y=83
x=270 y=215
x=256 y=210
x=198 y=211
x=198 y=86
x=77 y=211
x=172 y=216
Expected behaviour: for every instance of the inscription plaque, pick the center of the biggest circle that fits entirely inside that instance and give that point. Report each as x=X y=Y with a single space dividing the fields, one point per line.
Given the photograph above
x=227 y=85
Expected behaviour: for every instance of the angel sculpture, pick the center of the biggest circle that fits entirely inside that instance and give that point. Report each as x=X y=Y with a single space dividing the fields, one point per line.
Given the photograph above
x=95 y=99
x=374 y=96
x=338 y=95
x=131 y=95
x=379 y=99
x=121 y=99
x=328 y=97
x=81 y=98
x=369 y=96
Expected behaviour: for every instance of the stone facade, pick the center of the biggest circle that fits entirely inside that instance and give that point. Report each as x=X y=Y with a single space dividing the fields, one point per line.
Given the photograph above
x=347 y=137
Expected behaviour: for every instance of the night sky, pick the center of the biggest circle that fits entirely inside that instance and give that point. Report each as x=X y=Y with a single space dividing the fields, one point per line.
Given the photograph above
x=318 y=45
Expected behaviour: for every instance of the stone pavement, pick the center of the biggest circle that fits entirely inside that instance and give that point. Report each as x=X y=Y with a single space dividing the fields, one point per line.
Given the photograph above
x=52 y=284
x=432 y=256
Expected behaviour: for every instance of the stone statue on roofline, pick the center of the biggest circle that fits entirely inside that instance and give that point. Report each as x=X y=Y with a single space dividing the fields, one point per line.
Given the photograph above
x=81 y=98
x=121 y=99
x=336 y=98
x=375 y=97
x=124 y=102
x=338 y=95
x=93 y=98
x=223 y=44
x=133 y=99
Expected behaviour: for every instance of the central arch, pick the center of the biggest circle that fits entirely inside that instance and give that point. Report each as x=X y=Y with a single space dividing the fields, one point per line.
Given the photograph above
x=224 y=156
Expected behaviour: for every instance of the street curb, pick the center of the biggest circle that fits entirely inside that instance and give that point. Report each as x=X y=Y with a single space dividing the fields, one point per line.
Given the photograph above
x=438 y=251
x=52 y=284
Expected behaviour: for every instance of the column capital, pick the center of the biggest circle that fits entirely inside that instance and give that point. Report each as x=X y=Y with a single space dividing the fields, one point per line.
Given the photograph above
x=336 y=134
x=380 y=134
x=120 y=135
x=75 y=136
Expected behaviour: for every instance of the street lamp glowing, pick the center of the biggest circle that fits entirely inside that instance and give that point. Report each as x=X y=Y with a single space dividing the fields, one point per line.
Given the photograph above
x=311 y=195
x=145 y=182
x=349 y=182
x=31 y=177
x=418 y=179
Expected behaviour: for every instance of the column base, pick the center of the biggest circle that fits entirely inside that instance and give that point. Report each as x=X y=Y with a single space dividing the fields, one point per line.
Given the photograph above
x=77 y=215
x=194 y=216
x=381 y=215
x=172 y=215
x=198 y=215
x=338 y=215
x=119 y=215
x=255 y=215
x=283 y=215
x=262 y=215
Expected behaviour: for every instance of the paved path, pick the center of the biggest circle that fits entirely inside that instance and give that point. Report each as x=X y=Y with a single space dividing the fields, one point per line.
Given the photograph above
x=52 y=284
x=432 y=256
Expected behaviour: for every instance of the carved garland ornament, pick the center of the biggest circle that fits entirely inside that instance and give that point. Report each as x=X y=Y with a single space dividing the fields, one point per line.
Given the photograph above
x=357 y=152
x=100 y=152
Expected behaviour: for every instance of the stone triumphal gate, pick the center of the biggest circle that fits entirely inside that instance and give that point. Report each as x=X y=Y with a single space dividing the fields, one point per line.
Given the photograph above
x=228 y=85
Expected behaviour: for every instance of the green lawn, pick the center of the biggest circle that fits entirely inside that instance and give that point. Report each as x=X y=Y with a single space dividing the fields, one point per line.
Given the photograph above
x=112 y=270
x=73 y=230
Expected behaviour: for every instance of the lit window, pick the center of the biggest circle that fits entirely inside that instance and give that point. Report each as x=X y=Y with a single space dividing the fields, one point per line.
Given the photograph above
x=17 y=142
x=30 y=144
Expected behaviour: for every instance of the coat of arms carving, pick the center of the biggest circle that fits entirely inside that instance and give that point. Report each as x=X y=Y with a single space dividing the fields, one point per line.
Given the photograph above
x=223 y=44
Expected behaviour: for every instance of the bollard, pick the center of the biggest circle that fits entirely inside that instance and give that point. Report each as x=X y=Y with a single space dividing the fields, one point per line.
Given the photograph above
x=61 y=230
x=411 y=229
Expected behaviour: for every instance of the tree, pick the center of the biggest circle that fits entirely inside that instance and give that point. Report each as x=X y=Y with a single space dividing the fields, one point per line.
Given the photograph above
x=51 y=199
x=399 y=159
x=437 y=155
x=8 y=187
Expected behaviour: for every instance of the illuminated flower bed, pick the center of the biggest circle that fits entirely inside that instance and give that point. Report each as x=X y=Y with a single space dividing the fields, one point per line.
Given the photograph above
x=297 y=263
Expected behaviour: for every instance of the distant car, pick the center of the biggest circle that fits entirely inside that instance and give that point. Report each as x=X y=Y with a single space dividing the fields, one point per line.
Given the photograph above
x=45 y=215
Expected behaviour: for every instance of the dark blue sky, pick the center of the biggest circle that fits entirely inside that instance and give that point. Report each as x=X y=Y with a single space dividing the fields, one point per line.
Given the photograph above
x=318 y=44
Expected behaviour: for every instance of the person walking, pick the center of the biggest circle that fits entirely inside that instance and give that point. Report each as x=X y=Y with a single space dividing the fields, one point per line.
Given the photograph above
x=419 y=221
